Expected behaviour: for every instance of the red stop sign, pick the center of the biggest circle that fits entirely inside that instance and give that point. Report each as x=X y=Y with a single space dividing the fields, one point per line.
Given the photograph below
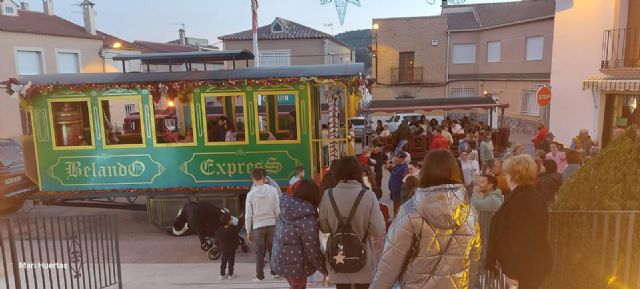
x=544 y=96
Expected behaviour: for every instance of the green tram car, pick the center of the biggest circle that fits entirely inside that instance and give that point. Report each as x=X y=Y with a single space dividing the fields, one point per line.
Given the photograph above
x=108 y=135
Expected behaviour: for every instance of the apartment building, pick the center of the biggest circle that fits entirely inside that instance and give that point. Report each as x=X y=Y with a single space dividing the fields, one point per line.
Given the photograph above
x=596 y=68
x=284 y=42
x=498 y=50
x=36 y=42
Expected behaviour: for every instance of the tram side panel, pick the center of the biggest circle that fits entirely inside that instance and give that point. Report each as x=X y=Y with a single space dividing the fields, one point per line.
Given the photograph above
x=114 y=140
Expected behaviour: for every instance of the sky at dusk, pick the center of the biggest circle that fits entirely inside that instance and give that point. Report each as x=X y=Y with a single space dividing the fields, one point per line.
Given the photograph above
x=159 y=20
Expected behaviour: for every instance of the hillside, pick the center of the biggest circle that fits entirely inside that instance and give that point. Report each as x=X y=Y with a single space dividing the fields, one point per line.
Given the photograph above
x=360 y=40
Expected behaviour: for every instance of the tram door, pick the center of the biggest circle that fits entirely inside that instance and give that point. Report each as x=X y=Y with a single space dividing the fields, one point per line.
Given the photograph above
x=329 y=126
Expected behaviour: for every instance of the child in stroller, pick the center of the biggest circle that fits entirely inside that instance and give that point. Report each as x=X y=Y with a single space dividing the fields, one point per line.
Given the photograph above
x=202 y=218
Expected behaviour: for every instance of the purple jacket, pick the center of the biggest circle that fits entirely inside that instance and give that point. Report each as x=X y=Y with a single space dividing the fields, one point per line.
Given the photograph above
x=296 y=245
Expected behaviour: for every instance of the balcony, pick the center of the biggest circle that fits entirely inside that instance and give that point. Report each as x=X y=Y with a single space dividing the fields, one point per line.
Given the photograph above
x=401 y=75
x=621 y=49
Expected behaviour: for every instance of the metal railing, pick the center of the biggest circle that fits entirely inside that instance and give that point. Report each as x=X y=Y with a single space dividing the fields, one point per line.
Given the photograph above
x=621 y=48
x=406 y=74
x=590 y=250
x=59 y=252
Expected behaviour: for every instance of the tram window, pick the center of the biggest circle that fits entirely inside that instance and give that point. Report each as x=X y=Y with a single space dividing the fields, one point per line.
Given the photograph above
x=72 y=124
x=173 y=122
x=123 y=121
x=225 y=118
x=277 y=117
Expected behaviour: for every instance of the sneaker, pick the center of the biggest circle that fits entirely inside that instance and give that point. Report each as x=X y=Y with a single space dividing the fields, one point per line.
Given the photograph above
x=230 y=277
x=223 y=277
x=276 y=277
x=257 y=280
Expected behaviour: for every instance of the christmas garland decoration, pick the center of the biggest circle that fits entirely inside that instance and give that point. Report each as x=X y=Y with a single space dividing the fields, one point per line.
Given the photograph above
x=150 y=190
x=181 y=89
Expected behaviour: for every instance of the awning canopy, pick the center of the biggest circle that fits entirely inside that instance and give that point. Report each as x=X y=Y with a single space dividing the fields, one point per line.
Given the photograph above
x=429 y=104
x=192 y=56
x=612 y=84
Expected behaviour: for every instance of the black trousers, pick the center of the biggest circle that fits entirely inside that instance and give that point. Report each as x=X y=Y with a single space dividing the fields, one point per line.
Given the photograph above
x=228 y=258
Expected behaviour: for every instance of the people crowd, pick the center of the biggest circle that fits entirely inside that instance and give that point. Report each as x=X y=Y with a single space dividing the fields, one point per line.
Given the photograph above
x=431 y=236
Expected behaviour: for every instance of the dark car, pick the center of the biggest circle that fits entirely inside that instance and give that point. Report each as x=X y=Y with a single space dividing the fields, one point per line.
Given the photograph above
x=14 y=184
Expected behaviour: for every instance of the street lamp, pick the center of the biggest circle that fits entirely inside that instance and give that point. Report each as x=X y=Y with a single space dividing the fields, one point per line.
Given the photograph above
x=376 y=26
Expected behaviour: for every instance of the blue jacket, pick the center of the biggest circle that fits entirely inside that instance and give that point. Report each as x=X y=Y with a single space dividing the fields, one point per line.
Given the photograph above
x=395 y=180
x=296 y=245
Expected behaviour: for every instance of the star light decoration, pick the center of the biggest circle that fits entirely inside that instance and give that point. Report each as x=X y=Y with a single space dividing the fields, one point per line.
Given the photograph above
x=341 y=7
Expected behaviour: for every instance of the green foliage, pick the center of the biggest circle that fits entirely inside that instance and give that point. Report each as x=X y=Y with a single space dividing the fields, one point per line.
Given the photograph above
x=608 y=182
x=359 y=40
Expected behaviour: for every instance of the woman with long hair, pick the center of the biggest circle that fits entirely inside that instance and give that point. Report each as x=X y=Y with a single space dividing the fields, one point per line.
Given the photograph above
x=420 y=251
x=345 y=199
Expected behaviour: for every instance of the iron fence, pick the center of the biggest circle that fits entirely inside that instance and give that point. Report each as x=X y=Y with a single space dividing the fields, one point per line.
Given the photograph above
x=406 y=74
x=590 y=250
x=59 y=252
x=621 y=48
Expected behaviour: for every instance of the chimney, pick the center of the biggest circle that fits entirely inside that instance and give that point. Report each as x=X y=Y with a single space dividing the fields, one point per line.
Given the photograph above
x=183 y=38
x=89 y=16
x=24 y=6
x=48 y=6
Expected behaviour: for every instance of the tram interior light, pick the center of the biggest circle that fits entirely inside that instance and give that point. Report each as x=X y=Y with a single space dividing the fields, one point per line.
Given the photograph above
x=171 y=103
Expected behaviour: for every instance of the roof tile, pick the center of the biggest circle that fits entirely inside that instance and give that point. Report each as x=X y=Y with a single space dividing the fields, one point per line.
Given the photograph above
x=292 y=30
x=495 y=14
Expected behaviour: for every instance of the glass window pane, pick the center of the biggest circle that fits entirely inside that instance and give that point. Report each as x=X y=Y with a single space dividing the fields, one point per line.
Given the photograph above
x=123 y=122
x=68 y=62
x=493 y=51
x=464 y=53
x=535 y=48
x=72 y=124
x=172 y=121
x=225 y=118
x=29 y=62
x=277 y=117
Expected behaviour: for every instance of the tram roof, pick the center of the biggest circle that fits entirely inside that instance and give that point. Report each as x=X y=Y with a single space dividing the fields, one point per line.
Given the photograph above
x=324 y=70
x=190 y=56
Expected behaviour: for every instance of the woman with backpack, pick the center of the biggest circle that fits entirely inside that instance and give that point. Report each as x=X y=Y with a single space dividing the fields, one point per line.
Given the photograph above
x=420 y=251
x=352 y=215
x=296 y=245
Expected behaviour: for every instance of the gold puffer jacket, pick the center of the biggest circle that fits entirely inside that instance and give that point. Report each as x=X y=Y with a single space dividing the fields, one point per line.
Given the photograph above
x=424 y=225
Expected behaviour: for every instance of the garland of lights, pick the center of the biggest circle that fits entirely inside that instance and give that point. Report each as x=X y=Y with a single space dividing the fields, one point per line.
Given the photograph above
x=181 y=89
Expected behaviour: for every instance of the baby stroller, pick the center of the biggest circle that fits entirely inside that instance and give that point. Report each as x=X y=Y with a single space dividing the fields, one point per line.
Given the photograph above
x=212 y=245
x=203 y=219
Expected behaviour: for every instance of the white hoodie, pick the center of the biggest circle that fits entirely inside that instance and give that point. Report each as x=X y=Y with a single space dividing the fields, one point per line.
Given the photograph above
x=262 y=207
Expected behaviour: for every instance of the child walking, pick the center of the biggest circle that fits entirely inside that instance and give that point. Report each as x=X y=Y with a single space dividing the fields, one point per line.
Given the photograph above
x=296 y=245
x=228 y=237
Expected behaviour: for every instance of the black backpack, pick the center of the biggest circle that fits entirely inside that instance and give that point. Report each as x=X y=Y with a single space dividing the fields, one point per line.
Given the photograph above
x=345 y=251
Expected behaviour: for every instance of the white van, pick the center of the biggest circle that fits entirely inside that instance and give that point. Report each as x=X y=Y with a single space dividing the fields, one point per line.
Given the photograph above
x=396 y=119
x=359 y=125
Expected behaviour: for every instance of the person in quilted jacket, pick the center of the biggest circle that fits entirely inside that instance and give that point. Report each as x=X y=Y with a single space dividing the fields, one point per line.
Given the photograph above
x=296 y=245
x=420 y=249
